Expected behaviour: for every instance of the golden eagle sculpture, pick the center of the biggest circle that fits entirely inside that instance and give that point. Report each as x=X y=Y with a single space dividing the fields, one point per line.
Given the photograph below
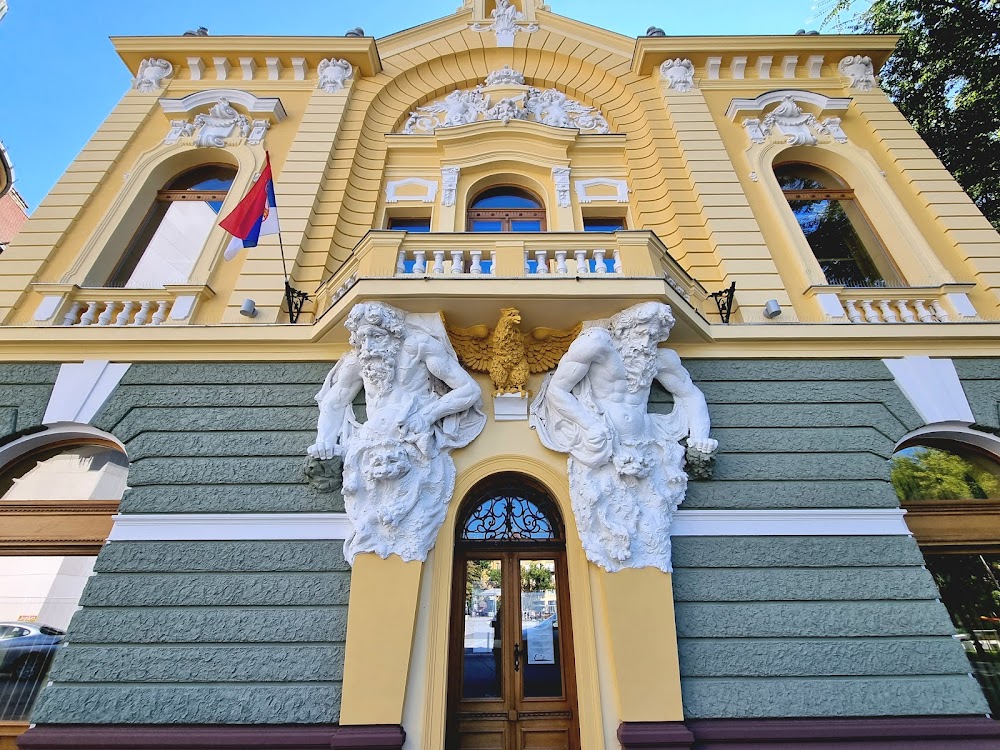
x=507 y=354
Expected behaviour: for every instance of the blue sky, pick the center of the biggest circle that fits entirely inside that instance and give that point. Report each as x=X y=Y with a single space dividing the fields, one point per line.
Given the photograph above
x=60 y=75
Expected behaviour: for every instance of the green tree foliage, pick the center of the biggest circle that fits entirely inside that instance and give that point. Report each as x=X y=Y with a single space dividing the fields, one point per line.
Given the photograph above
x=945 y=78
x=536 y=577
x=932 y=474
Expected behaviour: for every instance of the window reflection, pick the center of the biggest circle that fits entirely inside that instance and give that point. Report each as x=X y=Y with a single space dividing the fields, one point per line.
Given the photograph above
x=505 y=209
x=848 y=251
x=80 y=472
x=482 y=654
x=970 y=589
x=944 y=471
x=170 y=240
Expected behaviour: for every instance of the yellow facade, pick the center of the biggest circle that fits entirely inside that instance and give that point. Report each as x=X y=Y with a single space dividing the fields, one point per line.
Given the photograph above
x=701 y=209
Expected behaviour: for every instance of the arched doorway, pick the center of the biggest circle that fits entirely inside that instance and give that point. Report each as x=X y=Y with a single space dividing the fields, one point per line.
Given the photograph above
x=506 y=692
x=505 y=208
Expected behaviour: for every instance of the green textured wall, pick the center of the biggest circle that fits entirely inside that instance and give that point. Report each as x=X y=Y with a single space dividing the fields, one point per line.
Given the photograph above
x=811 y=626
x=24 y=394
x=210 y=632
x=253 y=632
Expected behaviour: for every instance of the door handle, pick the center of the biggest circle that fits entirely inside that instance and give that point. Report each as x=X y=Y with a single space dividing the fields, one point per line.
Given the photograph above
x=517 y=657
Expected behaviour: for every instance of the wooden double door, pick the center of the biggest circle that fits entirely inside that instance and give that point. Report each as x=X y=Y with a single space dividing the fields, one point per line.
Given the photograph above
x=511 y=678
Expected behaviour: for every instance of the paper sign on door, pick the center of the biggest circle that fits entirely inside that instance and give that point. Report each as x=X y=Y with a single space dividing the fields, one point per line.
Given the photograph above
x=540 y=645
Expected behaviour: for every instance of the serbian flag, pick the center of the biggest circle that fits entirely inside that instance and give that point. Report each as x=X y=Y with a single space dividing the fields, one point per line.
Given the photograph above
x=255 y=215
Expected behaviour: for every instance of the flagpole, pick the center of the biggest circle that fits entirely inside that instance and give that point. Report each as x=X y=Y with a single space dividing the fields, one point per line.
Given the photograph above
x=295 y=298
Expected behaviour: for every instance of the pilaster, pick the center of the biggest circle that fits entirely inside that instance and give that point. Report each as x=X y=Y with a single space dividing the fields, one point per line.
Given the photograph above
x=69 y=198
x=724 y=211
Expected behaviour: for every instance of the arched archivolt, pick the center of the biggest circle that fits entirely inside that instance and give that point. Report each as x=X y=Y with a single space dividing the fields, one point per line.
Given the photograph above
x=149 y=174
x=899 y=234
x=65 y=507
x=380 y=104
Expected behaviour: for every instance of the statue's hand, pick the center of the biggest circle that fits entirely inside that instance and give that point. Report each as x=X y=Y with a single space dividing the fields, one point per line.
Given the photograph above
x=703 y=445
x=415 y=425
x=322 y=449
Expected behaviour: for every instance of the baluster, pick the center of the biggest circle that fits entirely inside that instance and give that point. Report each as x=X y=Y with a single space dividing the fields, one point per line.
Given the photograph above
x=493 y=262
x=457 y=261
x=541 y=262
x=582 y=266
x=904 y=312
x=599 y=266
x=476 y=266
x=527 y=268
x=852 y=312
x=105 y=317
x=71 y=316
x=561 y=262
x=870 y=315
x=401 y=263
x=90 y=314
x=161 y=312
x=925 y=315
x=439 y=261
x=887 y=314
x=125 y=314
x=939 y=312
x=618 y=261
x=419 y=261
x=143 y=315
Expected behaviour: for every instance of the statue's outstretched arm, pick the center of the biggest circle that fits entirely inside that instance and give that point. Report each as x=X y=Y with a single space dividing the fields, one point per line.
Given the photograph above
x=335 y=399
x=675 y=378
x=588 y=348
x=464 y=390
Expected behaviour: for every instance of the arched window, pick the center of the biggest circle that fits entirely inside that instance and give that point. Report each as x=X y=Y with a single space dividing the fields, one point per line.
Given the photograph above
x=951 y=491
x=847 y=249
x=505 y=209
x=170 y=239
x=57 y=498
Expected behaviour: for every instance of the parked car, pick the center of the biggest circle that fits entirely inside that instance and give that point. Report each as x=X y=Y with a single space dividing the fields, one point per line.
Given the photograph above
x=27 y=648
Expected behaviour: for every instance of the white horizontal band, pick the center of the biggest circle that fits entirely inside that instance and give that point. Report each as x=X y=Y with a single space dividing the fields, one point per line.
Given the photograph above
x=289 y=526
x=198 y=527
x=798 y=522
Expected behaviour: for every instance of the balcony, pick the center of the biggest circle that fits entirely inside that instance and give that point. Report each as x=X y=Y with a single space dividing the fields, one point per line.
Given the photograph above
x=117 y=307
x=595 y=274
x=940 y=304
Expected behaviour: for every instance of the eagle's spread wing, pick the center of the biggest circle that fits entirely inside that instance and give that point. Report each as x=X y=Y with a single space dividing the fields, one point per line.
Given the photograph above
x=472 y=346
x=546 y=346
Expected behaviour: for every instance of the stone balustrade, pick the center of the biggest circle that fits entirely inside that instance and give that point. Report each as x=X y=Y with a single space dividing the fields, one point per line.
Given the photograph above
x=488 y=256
x=115 y=307
x=117 y=313
x=944 y=304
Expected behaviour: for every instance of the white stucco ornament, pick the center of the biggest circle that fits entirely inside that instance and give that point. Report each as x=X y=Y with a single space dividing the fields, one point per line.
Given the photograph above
x=560 y=176
x=860 y=71
x=800 y=128
x=506 y=76
x=507 y=21
x=449 y=185
x=152 y=73
x=626 y=466
x=221 y=121
x=333 y=74
x=679 y=74
x=548 y=107
x=421 y=403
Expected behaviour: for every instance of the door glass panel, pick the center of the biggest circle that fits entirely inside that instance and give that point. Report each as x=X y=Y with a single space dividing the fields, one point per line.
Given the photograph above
x=481 y=225
x=482 y=653
x=970 y=589
x=525 y=225
x=541 y=667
